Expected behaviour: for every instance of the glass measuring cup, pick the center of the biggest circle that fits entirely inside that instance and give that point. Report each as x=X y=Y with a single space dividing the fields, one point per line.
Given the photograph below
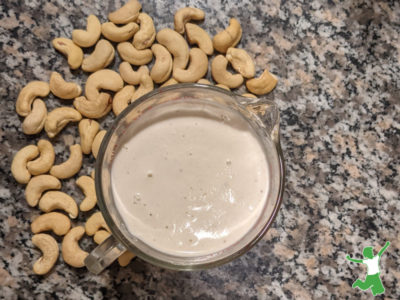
x=262 y=115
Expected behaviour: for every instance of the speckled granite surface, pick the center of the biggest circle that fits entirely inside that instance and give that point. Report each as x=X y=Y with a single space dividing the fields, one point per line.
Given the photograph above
x=339 y=94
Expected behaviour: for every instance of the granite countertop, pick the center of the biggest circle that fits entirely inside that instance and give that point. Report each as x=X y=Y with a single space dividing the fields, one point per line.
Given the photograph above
x=339 y=95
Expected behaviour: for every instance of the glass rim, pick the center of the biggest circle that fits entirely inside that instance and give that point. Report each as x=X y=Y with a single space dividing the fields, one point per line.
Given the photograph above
x=116 y=232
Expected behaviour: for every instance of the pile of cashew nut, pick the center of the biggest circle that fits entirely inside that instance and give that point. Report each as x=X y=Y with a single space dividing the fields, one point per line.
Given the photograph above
x=137 y=43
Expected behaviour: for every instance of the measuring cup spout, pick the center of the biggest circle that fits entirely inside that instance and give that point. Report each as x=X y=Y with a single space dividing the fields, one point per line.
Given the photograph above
x=267 y=111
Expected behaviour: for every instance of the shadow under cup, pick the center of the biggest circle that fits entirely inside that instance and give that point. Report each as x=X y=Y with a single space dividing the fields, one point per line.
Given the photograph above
x=189 y=97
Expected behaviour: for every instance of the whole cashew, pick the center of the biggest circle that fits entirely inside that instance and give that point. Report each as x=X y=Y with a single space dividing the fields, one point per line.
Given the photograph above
x=94 y=108
x=162 y=67
x=197 y=68
x=119 y=34
x=88 y=129
x=146 y=85
x=248 y=95
x=53 y=200
x=198 y=36
x=62 y=89
x=58 y=118
x=184 y=15
x=20 y=160
x=170 y=81
x=144 y=38
x=34 y=121
x=88 y=37
x=222 y=75
x=29 y=93
x=263 y=84
x=122 y=99
x=204 y=81
x=100 y=236
x=104 y=79
x=241 y=62
x=71 y=252
x=134 y=56
x=127 y=13
x=94 y=223
x=45 y=161
x=71 y=166
x=54 y=221
x=92 y=174
x=229 y=37
x=129 y=75
x=176 y=45
x=37 y=185
x=102 y=55
x=97 y=142
x=71 y=50
x=86 y=184
x=223 y=86
x=125 y=258
x=49 y=247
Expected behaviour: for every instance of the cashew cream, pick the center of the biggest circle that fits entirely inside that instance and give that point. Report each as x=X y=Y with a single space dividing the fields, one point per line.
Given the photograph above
x=192 y=181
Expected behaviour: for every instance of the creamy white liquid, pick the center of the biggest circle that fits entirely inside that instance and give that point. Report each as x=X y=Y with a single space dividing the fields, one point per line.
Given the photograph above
x=190 y=184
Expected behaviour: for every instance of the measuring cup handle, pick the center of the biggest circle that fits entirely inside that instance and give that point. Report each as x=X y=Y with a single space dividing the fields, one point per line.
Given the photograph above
x=104 y=254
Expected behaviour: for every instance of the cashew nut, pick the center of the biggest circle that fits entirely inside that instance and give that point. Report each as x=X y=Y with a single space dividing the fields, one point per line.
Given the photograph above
x=34 y=121
x=71 y=50
x=222 y=75
x=146 y=85
x=162 y=67
x=102 y=55
x=94 y=108
x=134 y=56
x=204 y=81
x=248 y=95
x=263 y=84
x=71 y=252
x=241 y=62
x=229 y=37
x=94 y=223
x=223 y=86
x=100 y=236
x=86 y=184
x=49 y=247
x=170 y=81
x=176 y=45
x=125 y=258
x=92 y=174
x=45 y=161
x=62 y=89
x=20 y=160
x=29 y=93
x=127 y=13
x=71 y=166
x=54 y=221
x=88 y=129
x=104 y=79
x=119 y=33
x=37 y=185
x=197 y=35
x=197 y=68
x=122 y=99
x=129 y=75
x=58 y=118
x=88 y=37
x=184 y=15
x=97 y=142
x=53 y=200
x=144 y=38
